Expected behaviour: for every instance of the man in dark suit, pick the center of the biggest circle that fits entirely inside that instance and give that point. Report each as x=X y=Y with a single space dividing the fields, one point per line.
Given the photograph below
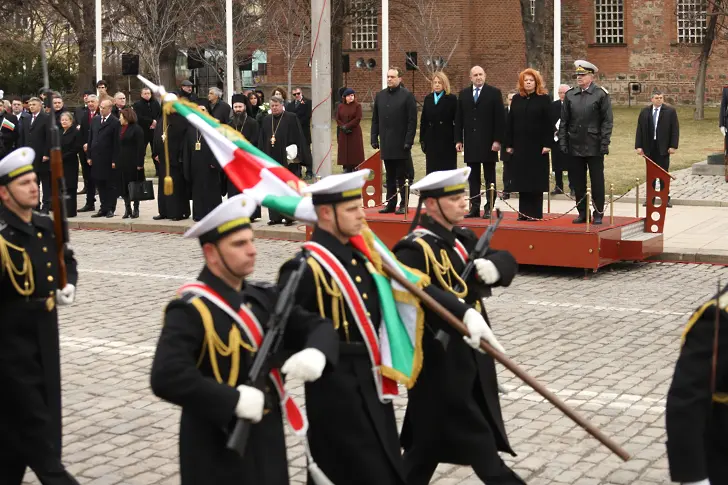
x=148 y=111
x=559 y=160
x=9 y=131
x=103 y=148
x=479 y=129
x=83 y=118
x=504 y=155
x=218 y=108
x=658 y=132
x=302 y=108
x=36 y=135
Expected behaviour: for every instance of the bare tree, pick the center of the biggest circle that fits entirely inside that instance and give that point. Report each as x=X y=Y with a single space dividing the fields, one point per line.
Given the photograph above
x=433 y=39
x=536 y=16
x=149 y=28
x=208 y=39
x=716 y=11
x=290 y=30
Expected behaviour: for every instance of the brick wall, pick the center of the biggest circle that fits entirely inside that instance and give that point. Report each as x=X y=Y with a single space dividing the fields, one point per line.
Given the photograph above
x=491 y=35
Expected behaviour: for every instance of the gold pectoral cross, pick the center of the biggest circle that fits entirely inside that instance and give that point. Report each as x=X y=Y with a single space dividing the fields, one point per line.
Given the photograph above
x=198 y=146
x=273 y=140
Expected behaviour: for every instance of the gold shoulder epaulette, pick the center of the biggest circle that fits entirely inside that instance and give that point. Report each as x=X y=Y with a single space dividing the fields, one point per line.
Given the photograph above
x=443 y=269
x=722 y=304
x=14 y=273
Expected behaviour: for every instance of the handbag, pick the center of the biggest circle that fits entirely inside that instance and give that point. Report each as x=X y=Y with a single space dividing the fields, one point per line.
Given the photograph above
x=141 y=190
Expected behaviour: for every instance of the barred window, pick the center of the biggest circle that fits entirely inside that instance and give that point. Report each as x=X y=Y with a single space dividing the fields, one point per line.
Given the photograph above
x=533 y=9
x=609 y=21
x=364 y=31
x=691 y=21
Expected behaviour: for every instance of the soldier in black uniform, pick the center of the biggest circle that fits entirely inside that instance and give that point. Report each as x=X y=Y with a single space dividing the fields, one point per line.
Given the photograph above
x=207 y=346
x=30 y=374
x=697 y=402
x=585 y=133
x=723 y=117
x=464 y=424
x=353 y=434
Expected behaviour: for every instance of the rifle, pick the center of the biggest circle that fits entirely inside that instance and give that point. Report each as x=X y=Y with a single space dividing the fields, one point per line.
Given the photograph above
x=271 y=343
x=58 y=181
x=481 y=247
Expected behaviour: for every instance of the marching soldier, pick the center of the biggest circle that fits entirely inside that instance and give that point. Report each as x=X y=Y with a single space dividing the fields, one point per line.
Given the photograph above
x=353 y=432
x=697 y=402
x=30 y=374
x=464 y=424
x=207 y=346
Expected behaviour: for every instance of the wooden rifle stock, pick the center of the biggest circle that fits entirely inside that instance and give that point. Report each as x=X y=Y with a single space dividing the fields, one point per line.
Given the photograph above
x=58 y=202
x=443 y=313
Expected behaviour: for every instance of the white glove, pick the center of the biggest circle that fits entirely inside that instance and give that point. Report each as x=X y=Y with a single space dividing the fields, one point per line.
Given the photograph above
x=307 y=365
x=701 y=482
x=477 y=328
x=66 y=295
x=291 y=152
x=251 y=403
x=722 y=130
x=487 y=271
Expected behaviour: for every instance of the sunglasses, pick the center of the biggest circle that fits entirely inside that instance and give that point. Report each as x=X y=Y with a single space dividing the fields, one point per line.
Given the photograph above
x=296 y=94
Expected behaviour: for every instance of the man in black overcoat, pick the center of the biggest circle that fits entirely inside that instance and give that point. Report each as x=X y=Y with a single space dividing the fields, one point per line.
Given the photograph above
x=505 y=157
x=559 y=160
x=202 y=173
x=8 y=136
x=36 y=135
x=394 y=124
x=218 y=108
x=208 y=381
x=479 y=130
x=246 y=125
x=696 y=415
x=723 y=117
x=176 y=206
x=30 y=374
x=464 y=424
x=148 y=110
x=103 y=150
x=658 y=133
x=84 y=116
x=353 y=431
x=301 y=107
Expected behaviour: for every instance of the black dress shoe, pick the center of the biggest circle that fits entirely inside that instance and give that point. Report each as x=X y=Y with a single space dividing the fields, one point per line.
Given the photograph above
x=273 y=223
x=486 y=214
x=472 y=214
x=598 y=218
x=669 y=203
x=522 y=218
x=288 y=223
x=159 y=217
x=386 y=210
x=181 y=218
x=579 y=220
x=506 y=196
x=135 y=213
x=87 y=208
x=99 y=214
x=400 y=210
x=557 y=191
x=82 y=191
x=110 y=214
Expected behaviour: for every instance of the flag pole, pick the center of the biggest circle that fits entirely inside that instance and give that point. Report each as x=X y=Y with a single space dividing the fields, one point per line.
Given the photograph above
x=99 y=47
x=452 y=320
x=385 y=42
x=229 y=75
x=557 y=48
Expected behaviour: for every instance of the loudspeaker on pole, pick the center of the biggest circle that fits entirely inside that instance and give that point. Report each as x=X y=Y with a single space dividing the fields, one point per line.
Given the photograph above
x=129 y=64
x=411 y=61
x=345 y=63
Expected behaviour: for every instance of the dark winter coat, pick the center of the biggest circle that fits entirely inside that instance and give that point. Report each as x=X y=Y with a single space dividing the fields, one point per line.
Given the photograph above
x=528 y=132
x=437 y=132
x=37 y=136
x=103 y=146
x=586 y=122
x=394 y=123
x=350 y=145
x=668 y=130
x=478 y=125
x=132 y=150
x=302 y=109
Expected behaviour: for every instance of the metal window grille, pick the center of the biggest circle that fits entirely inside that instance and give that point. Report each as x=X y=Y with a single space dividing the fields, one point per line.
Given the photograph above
x=691 y=21
x=533 y=9
x=609 y=21
x=364 y=32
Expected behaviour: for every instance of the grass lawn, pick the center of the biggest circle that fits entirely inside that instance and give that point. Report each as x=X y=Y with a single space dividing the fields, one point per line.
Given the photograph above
x=698 y=139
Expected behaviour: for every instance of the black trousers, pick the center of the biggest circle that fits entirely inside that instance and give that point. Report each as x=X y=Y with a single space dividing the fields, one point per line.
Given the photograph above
x=662 y=160
x=396 y=174
x=88 y=182
x=107 y=194
x=531 y=204
x=50 y=471
x=595 y=165
x=474 y=183
x=70 y=171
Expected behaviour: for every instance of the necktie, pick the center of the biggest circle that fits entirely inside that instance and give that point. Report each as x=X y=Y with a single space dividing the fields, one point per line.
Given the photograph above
x=477 y=94
x=654 y=121
x=103 y=120
x=32 y=120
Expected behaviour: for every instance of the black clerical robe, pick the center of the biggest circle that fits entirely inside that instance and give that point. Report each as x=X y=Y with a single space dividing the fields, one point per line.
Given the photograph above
x=202 y=174
x=177 y=205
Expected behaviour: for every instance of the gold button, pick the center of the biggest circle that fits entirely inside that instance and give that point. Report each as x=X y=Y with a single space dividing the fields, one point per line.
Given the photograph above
x=365 y=296
x=45 y=249
x=358 y=279
x=51 y=292
x=50 y=279
x=353 y=262
x=249 y=305
x=369 y=314
x=40 y=235
x=48 y=264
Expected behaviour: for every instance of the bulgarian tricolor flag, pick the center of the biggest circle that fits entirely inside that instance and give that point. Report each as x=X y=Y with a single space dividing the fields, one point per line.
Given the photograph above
x=7 y=124
x=275 y=187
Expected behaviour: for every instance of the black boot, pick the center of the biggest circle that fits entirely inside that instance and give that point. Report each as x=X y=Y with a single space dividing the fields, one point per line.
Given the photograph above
x=127 y=211
x=135 y=212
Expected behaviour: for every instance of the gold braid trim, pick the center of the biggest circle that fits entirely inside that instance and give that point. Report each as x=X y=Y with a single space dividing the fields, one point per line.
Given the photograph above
x=720 y=397
x=442 y=270
x=321 y=281
x=215 y=345
x=7 y=266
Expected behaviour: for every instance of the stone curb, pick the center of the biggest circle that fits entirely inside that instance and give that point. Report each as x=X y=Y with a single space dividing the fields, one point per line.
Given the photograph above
x=631 y=200
x=690 y=255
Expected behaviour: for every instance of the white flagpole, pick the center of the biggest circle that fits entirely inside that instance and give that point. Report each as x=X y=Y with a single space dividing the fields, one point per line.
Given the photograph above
x=385 y=41
x=229 y=74
x=557 y=47
x=99 y=47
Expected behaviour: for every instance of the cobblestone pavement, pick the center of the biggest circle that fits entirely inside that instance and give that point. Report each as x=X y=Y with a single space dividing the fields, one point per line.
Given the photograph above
x=693 y=187
x=606 y=344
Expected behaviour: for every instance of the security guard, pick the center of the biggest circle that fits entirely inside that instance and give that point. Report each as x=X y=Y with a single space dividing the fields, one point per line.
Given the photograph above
x=207 y=346
x=697 y=402
x=30 y=367
x=463 y=425
x=585 y=133
x=353 y=434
